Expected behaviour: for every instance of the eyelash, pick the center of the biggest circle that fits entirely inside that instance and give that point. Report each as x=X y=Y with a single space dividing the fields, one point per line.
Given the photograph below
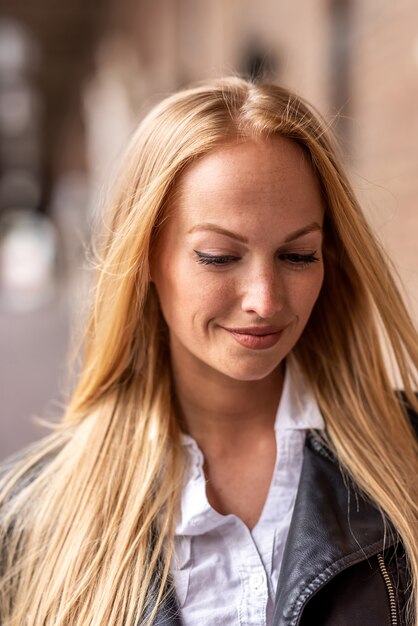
x=297 y=260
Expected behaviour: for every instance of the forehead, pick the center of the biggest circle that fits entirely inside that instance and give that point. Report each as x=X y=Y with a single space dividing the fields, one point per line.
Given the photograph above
x=252 y=178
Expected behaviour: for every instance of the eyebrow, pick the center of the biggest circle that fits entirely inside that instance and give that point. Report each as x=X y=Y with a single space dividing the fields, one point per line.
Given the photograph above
x=314 y=226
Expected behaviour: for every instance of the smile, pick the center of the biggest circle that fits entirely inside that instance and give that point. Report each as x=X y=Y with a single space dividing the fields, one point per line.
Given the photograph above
x=256 y=337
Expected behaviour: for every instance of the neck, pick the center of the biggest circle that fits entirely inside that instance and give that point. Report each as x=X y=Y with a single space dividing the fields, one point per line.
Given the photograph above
x=217 y=410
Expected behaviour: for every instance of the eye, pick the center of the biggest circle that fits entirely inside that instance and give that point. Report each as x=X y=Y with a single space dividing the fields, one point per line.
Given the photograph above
x=299 y=260
x=214 y=259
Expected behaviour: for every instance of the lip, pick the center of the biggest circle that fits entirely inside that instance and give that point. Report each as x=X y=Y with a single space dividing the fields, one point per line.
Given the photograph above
x=256 y=337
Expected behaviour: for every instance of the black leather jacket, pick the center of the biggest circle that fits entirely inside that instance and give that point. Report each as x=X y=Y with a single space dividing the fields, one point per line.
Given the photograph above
x=339 y=568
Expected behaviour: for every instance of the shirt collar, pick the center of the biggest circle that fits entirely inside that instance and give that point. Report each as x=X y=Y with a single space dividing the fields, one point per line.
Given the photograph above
x=298 y=408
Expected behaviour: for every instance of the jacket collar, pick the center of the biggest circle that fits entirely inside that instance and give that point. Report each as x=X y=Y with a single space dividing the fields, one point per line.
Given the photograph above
x=332 y=527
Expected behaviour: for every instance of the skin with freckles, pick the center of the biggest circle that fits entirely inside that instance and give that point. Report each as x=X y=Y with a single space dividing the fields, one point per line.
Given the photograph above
x=223 y=261
x=238 y=267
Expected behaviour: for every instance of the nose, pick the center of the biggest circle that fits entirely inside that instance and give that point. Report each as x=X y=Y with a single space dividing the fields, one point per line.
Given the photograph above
x=263 y=292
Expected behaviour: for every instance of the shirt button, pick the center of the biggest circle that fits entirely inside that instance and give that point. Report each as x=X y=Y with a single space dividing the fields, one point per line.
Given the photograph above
x=256 y=580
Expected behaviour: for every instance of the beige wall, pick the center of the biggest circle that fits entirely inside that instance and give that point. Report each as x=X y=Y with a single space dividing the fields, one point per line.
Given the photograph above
x=385 y=127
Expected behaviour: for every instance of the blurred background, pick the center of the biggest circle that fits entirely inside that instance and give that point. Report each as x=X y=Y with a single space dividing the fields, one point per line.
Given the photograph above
x=75 y=78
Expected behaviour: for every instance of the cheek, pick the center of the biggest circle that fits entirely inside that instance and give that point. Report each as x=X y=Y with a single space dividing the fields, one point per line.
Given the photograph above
x=211 y=297
x=306 y=293
x=190 y=295
x=170 y=285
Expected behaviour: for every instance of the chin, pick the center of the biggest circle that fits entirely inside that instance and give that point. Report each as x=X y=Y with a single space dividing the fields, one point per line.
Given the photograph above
x=251 y=374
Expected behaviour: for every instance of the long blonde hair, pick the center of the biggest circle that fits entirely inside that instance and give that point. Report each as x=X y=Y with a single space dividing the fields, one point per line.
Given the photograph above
x=88 y=514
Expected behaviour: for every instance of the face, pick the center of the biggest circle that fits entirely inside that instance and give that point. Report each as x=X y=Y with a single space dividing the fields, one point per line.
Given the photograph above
x=237 y=265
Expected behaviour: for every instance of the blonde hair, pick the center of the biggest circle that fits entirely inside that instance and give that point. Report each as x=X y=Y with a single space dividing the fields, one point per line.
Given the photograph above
x=88 y=515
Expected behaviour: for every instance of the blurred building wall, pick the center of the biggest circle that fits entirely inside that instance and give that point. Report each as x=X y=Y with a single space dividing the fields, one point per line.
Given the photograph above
x=384 y=127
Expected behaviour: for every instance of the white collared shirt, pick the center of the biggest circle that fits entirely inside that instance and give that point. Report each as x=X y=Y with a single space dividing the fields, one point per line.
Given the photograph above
x=224 y=574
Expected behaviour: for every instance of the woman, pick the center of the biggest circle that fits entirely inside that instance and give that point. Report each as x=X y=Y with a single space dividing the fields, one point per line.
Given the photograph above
x=234 y=452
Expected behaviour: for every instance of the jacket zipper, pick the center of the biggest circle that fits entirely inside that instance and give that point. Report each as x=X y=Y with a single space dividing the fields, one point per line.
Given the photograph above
x=390 y=590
